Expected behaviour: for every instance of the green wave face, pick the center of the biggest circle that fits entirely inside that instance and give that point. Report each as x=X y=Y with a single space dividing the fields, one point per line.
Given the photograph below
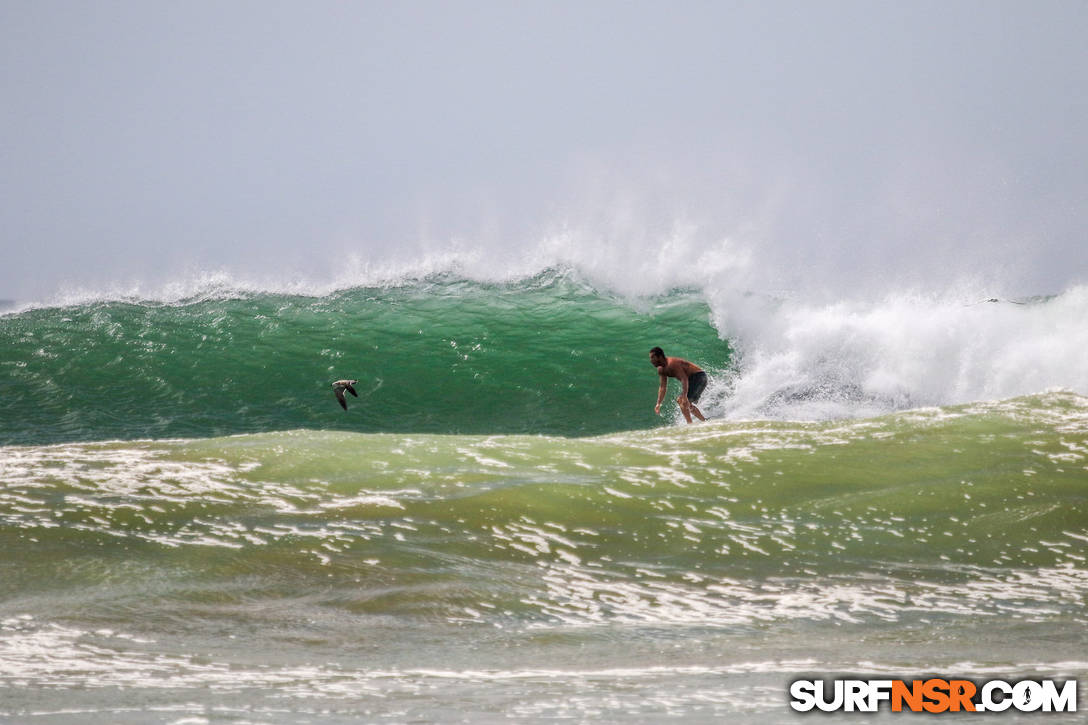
x=545 y=356
x=971 y=510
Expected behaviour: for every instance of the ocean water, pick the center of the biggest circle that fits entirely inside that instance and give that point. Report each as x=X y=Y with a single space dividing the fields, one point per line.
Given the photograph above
x=499 y=529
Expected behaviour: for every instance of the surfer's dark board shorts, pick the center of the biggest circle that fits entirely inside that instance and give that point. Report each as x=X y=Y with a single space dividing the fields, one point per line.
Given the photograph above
x=696 y=385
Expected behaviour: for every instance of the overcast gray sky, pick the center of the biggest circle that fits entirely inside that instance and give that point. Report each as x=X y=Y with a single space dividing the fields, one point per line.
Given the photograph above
x=845 y=141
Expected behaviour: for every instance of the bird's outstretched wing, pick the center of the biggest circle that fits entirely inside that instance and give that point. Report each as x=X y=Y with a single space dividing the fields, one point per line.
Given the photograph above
x=339 y=387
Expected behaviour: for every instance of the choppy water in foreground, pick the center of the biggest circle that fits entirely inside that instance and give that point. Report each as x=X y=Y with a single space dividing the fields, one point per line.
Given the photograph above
x=682 y=572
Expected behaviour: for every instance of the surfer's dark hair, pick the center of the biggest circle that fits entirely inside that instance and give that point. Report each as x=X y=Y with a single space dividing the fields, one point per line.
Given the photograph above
x=657 y=351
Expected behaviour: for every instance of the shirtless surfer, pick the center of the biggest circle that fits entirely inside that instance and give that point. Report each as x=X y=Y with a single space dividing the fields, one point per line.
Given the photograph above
x=692 y=382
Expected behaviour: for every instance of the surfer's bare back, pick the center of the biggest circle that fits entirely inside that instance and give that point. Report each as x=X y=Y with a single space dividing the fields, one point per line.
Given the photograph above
x=692 y=381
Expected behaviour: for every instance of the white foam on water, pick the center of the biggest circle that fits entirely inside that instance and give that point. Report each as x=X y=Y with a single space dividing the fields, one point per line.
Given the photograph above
x=806 y=360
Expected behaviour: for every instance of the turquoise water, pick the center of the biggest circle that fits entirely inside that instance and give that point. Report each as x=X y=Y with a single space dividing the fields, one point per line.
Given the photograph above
x=548 y=355
x=499 y=529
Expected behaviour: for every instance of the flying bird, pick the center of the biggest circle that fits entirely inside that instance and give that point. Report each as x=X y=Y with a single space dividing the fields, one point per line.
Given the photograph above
x=340 y=386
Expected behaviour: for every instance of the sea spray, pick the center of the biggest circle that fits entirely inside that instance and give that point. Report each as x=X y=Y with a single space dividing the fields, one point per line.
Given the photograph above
x=805 y=359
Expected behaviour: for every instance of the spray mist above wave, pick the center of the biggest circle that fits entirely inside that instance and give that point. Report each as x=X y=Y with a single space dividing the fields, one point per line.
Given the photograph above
x=622 y=261
x=619 y=247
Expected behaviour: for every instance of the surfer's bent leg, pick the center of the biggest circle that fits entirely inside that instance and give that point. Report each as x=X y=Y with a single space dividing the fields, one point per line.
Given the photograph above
x=684 y=405
x=695 y=390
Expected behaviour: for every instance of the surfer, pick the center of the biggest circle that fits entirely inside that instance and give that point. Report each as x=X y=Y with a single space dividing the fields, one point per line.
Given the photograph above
x=692 y=382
